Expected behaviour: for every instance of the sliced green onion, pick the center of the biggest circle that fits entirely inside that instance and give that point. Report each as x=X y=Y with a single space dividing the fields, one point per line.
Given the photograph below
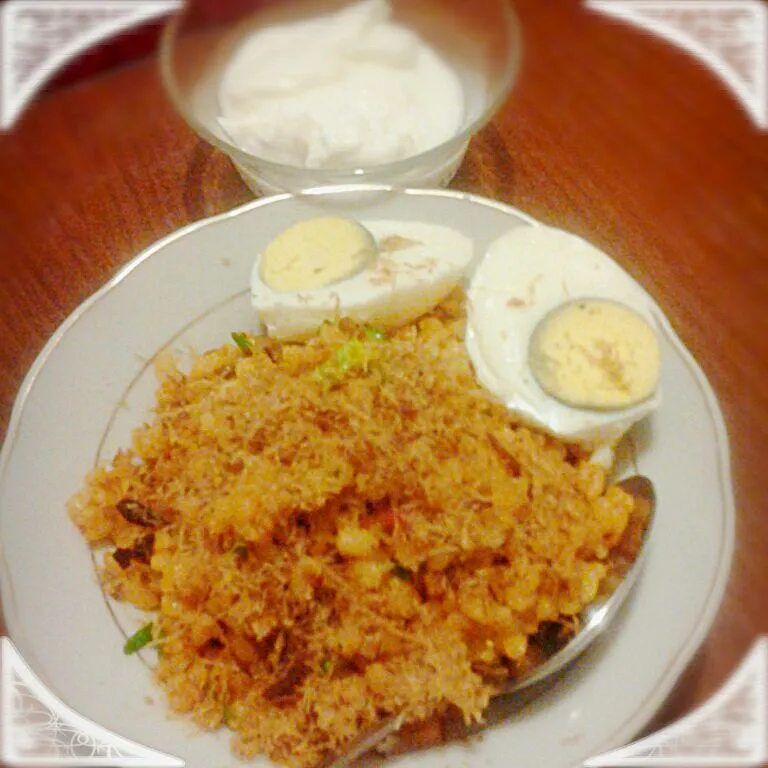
x=372 y=333
x=343 y=358
x=138 y=640
x=243 y=342
x=325 y=666
x=354 y=355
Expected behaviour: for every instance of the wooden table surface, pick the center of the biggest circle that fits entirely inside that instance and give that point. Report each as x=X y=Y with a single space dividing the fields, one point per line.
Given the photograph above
x=610 y=133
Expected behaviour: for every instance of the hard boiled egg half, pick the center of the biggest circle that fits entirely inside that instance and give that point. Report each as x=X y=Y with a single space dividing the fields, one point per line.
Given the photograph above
x=561 y=335
x=380 y=272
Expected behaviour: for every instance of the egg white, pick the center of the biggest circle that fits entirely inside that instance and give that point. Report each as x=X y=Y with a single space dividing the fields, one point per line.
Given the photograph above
x=400 y=285
x=525 y=274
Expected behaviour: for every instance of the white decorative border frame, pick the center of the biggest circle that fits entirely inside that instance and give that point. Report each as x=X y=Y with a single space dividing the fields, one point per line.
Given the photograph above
x=727 y=731
x=730 y=37
x=40 y=36
x=730 y=730
x=38 y=729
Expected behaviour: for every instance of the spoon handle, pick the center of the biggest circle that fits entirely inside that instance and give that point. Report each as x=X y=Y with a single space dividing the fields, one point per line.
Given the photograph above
x=364 y=743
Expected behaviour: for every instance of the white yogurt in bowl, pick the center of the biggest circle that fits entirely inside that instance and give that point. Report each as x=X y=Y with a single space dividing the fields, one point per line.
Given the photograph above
x=308 y=93
x=347 y=89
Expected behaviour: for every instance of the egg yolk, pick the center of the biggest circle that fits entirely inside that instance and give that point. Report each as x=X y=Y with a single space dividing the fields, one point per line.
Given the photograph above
x=593 y=353
x=315 y=253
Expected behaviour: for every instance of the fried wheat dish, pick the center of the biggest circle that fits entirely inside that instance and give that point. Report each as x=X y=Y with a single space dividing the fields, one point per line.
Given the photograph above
x=332 y=531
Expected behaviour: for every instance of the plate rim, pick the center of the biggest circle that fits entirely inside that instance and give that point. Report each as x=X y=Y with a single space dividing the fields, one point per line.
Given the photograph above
x=696 y=637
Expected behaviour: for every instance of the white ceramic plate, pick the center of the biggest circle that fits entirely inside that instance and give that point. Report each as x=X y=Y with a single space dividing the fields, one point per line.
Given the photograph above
x=93 y=382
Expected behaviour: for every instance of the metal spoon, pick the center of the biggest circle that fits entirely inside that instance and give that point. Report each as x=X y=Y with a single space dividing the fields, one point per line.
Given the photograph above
x=595 y=619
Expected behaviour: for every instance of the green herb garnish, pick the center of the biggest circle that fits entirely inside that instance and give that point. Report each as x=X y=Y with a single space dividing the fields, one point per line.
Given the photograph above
x=138 y=640
x=355 y=355
x=325 y=666
x=374 y=334
x=226 y=714
x=243 y=342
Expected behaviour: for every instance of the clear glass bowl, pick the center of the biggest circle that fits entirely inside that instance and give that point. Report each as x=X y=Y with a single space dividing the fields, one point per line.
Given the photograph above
x=480 y=39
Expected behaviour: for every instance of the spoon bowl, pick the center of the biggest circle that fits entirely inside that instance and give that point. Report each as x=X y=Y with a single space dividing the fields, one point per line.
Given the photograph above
x=594 y=620
x=598 y=615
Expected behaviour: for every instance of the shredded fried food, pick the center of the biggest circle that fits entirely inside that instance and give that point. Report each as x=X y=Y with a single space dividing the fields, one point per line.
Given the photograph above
x=340 y=529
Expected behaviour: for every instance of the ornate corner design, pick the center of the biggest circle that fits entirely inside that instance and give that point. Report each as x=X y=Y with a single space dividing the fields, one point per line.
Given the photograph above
x=729 y=730
x=730 y=37
x=40 y=36
x=38 y=729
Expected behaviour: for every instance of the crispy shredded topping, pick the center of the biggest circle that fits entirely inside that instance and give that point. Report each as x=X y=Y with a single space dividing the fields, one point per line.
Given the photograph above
x=343 y=547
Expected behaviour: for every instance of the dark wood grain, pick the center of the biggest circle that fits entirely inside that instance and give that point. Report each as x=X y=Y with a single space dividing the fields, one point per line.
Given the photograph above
x=610 y=133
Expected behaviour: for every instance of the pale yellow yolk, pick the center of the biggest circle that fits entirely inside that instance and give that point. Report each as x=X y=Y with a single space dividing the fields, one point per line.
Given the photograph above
x=595 y=353
x=315 y=253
